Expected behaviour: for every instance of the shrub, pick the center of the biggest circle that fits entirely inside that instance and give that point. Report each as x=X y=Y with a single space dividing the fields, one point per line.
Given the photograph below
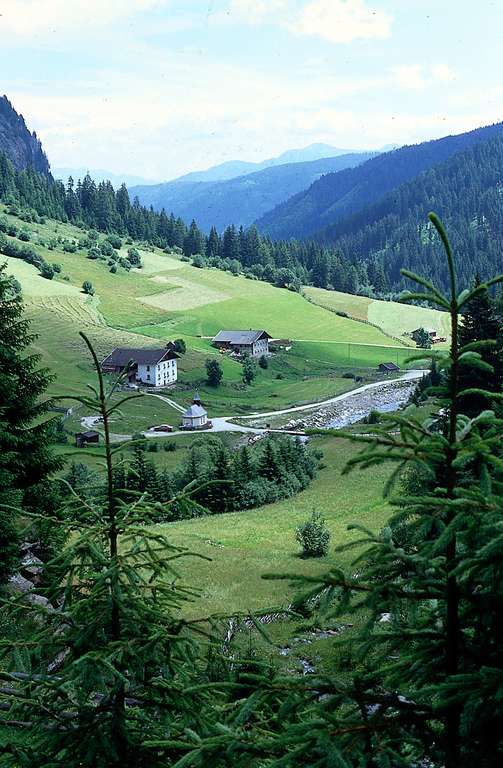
x=47 y=271
x=113 y=269
x=24 y=236
x=134 y=257
x=94 y=253
x=114 y=241
x=87 y=287
x=180 y=346
x=106 y=248
x=264 y=362
x=313 y=536
x=169 y=446
x=280 y=376
x=56 y=267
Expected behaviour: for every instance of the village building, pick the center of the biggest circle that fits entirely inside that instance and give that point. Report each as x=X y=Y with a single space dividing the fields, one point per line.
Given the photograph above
x=195 y=417
x=253 y=343
x=150 y=367
x=82 y=439
x=432 y=333
x=388 y=368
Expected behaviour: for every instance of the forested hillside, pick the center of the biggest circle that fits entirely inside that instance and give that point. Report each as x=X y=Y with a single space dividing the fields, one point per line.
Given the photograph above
x=240 y=200
x=467 y=190
x=23 y=148
x=338 y=195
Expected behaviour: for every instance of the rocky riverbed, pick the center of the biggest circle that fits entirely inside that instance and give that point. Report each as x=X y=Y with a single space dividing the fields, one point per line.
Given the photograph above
x=390 y=397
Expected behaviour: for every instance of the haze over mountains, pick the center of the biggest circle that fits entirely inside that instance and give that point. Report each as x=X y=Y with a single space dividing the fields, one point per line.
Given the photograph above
x=99 y=174
x=242 y=199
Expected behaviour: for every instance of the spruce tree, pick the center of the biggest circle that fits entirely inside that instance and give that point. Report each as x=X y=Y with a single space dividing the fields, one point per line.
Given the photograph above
x=482 y=326
x=26 y=454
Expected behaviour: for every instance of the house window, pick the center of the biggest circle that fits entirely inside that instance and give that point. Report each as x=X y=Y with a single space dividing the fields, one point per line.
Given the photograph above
x=148 y=367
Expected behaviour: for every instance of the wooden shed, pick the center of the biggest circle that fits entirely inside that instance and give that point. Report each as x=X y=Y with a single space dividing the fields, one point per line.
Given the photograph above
x=82 y=439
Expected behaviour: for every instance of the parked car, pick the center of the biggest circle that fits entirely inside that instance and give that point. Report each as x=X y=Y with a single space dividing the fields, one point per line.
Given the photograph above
x=162 y=428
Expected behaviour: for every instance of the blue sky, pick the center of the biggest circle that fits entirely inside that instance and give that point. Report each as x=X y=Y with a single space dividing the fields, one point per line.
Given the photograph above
x=161 y=87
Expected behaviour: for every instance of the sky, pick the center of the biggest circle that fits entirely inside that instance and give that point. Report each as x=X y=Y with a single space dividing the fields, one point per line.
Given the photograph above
x=157 y=88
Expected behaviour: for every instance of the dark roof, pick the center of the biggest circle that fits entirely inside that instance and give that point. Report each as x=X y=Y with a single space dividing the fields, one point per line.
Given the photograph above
x=193 y=411
x=90 y=433
x=121 y=356
x=240 y=337
x=389 y=366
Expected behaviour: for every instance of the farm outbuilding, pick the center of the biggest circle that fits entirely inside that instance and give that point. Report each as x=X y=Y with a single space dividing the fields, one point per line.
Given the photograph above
x=388 y=368
x=253 y=343
x=82 y=439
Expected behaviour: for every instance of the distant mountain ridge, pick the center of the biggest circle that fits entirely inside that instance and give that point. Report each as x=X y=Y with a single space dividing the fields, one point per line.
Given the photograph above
x=240 y=200
x=337 y=195
x=99 y=174
x=22 y=147
x=466 y=190
x=231 y=169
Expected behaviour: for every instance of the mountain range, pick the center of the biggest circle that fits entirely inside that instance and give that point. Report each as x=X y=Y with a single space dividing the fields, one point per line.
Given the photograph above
x=242 y=199
x=22 y=147
x=338 y=195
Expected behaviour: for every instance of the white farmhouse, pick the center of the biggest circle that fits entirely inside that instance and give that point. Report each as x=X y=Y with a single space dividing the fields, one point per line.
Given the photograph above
x=195 y=417
x=150 y=367
x=253 y=343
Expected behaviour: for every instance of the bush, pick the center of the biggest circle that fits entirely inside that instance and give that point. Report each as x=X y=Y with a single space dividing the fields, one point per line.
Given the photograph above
x=56 y=267
x=114 y=241
x=87 y=287
x=47 y=271
x=113 y=269
x=24 y=236
x=134 y=257
x=280 y=376
x=106 y=248
x=264 y=362
x=169 y=446
x=180 y=346
x=313 y=536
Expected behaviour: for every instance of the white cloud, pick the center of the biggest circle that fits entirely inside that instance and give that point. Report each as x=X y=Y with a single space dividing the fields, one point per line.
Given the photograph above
x=341 y=21
x=416 y=77
x=251 y=11
x=443 y=73
x=410 y=76
x=25 y=18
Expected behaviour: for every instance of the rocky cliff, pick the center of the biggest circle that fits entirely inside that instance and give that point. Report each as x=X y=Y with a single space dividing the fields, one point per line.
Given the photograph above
x=22 y=147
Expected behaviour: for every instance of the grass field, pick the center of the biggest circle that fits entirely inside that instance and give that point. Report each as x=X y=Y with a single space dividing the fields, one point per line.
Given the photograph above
x=246 y=545
x=394 y=318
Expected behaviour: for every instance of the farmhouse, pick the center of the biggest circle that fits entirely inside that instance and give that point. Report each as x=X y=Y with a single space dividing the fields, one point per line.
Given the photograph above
x=195 y=417
x=388 y=368
x=253 y=343
x=152 y=367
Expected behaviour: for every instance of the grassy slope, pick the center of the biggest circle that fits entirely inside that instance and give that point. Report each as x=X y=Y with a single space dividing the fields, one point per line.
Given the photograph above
x=394 y=318
x=169 y=298
x=246 y=545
